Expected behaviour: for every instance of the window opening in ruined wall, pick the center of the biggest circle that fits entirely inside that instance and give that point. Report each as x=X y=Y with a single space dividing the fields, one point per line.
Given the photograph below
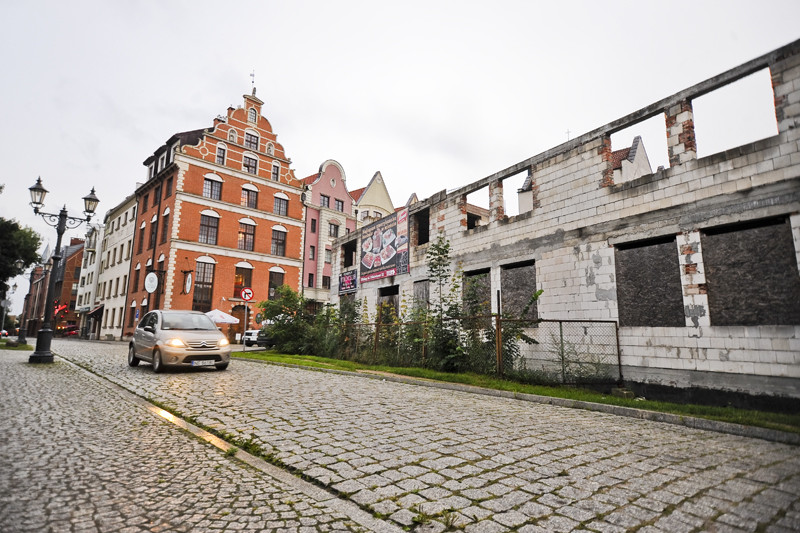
x=738 y=113
x=388 y=302
x=478 y=208
x=513 y=202
x=649 y=290
x=518 y=284
x=421 y=224
x=640 y=149
x=751 y=274
x=477 y=292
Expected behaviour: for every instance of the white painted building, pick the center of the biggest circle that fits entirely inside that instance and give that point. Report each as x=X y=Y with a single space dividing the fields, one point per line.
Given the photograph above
x=114 y=263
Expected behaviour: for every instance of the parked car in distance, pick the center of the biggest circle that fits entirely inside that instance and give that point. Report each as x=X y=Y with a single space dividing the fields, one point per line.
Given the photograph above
x=71 y=331
x=3 y=333
x=178 y=338
x=250 y=337
x=264 y=339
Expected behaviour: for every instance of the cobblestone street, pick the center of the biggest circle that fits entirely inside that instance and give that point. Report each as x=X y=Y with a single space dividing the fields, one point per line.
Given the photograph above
x=77 y=456
x=418 y=457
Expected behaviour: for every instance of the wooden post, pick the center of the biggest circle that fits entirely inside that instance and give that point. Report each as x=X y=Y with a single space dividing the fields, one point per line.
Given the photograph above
x=498 y=337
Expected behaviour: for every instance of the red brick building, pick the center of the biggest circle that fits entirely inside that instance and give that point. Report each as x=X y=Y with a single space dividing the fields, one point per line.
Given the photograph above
x=220 y=211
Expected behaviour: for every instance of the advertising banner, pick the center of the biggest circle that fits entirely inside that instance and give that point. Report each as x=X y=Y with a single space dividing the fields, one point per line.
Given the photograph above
x=348 y=281
x=384 y=247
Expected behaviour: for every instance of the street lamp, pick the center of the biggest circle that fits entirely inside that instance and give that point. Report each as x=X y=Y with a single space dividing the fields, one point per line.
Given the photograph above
x=6 y=303
x=21 y=339
x=61 y=222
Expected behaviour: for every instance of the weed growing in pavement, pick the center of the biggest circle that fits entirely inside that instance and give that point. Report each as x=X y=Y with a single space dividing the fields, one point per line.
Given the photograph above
x=231 y=452
x=449 y=519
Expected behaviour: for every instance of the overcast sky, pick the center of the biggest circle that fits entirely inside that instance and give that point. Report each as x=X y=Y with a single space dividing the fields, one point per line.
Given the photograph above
x=432 y=94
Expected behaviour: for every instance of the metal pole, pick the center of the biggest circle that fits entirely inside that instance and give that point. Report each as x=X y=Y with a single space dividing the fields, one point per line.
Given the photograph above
x=244 y=328
x=21 y=339
x=563 y=360
x=3 y=323
x=45 y=336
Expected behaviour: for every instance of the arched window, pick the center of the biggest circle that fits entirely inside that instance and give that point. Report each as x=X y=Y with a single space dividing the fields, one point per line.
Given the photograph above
x=212 y=186
x=203 y=283
x=222 y=152
x=252 y=115
x=249 y=195
x=270 y=149
x=209 y=227
x=276 y=275
x=278 y=241
x=251 y=140
x=280 y=204
x=243 y=277
x=250 y=163
x=232 y=135
x=247 y=234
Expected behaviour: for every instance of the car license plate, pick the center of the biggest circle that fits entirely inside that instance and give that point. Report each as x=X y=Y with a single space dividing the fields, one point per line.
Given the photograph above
x=203 y=363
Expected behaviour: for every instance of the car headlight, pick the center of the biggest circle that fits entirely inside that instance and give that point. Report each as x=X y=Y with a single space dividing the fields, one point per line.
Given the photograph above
x=223 y=342
x=176 y=343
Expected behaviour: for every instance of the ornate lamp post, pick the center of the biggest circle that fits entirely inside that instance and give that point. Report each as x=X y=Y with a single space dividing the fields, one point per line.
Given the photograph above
x=61 y=222
x=5 y=304
x=21 y=339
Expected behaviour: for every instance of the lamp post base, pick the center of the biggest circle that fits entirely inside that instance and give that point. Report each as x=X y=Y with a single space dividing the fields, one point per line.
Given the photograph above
x=40 y=358
x=43 y=340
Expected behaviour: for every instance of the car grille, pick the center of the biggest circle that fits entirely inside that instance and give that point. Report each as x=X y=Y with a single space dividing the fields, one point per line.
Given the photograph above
x=202 y=345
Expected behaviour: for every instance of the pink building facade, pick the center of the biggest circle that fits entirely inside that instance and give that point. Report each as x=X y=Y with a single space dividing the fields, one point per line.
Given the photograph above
x=329 y=215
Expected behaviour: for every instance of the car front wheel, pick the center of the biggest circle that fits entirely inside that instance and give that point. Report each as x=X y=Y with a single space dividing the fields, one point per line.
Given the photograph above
x=222 y=366
x=158 y=365
x=132 y=359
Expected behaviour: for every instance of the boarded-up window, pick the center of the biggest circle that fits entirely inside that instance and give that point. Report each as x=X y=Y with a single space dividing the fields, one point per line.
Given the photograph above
x=518 y=283
x=421 y=293
x=649 y=291
x=751 y=271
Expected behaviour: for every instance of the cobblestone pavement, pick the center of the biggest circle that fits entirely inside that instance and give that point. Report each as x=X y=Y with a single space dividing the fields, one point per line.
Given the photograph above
x=431 y=458
x=76 y=455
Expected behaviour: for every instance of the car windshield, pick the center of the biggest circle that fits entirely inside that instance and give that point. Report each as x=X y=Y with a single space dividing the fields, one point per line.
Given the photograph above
x=188 y=321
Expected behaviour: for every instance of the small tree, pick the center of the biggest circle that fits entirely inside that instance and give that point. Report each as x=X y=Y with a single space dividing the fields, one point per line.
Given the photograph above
x=445 y=352
x=288 y=320
x=18 y=251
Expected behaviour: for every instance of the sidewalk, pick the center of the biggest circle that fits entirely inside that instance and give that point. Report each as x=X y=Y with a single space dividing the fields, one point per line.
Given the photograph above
x=79 y=454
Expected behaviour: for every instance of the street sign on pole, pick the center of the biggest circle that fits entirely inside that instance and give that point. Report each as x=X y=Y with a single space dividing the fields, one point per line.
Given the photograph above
x=247 y=294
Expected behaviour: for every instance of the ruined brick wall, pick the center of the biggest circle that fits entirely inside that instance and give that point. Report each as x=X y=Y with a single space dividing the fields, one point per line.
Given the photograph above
x=583 y=221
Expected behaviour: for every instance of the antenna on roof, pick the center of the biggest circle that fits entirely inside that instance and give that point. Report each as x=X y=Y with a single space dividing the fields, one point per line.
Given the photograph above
x=567 y=132
x=253 y=81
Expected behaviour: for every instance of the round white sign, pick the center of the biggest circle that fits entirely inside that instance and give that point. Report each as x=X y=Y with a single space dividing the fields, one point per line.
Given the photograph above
x=187 y=285
x=151 y=282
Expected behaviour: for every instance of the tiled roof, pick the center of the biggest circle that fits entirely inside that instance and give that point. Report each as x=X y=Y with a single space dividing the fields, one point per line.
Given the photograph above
x=310 y=179
x=617 y=157
x=356 y=194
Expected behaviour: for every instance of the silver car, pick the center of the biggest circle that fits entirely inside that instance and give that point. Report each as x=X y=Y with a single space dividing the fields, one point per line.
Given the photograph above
x=178 y=338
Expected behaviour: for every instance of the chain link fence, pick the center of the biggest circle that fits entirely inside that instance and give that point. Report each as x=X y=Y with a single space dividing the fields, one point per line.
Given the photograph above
x=534 y=351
